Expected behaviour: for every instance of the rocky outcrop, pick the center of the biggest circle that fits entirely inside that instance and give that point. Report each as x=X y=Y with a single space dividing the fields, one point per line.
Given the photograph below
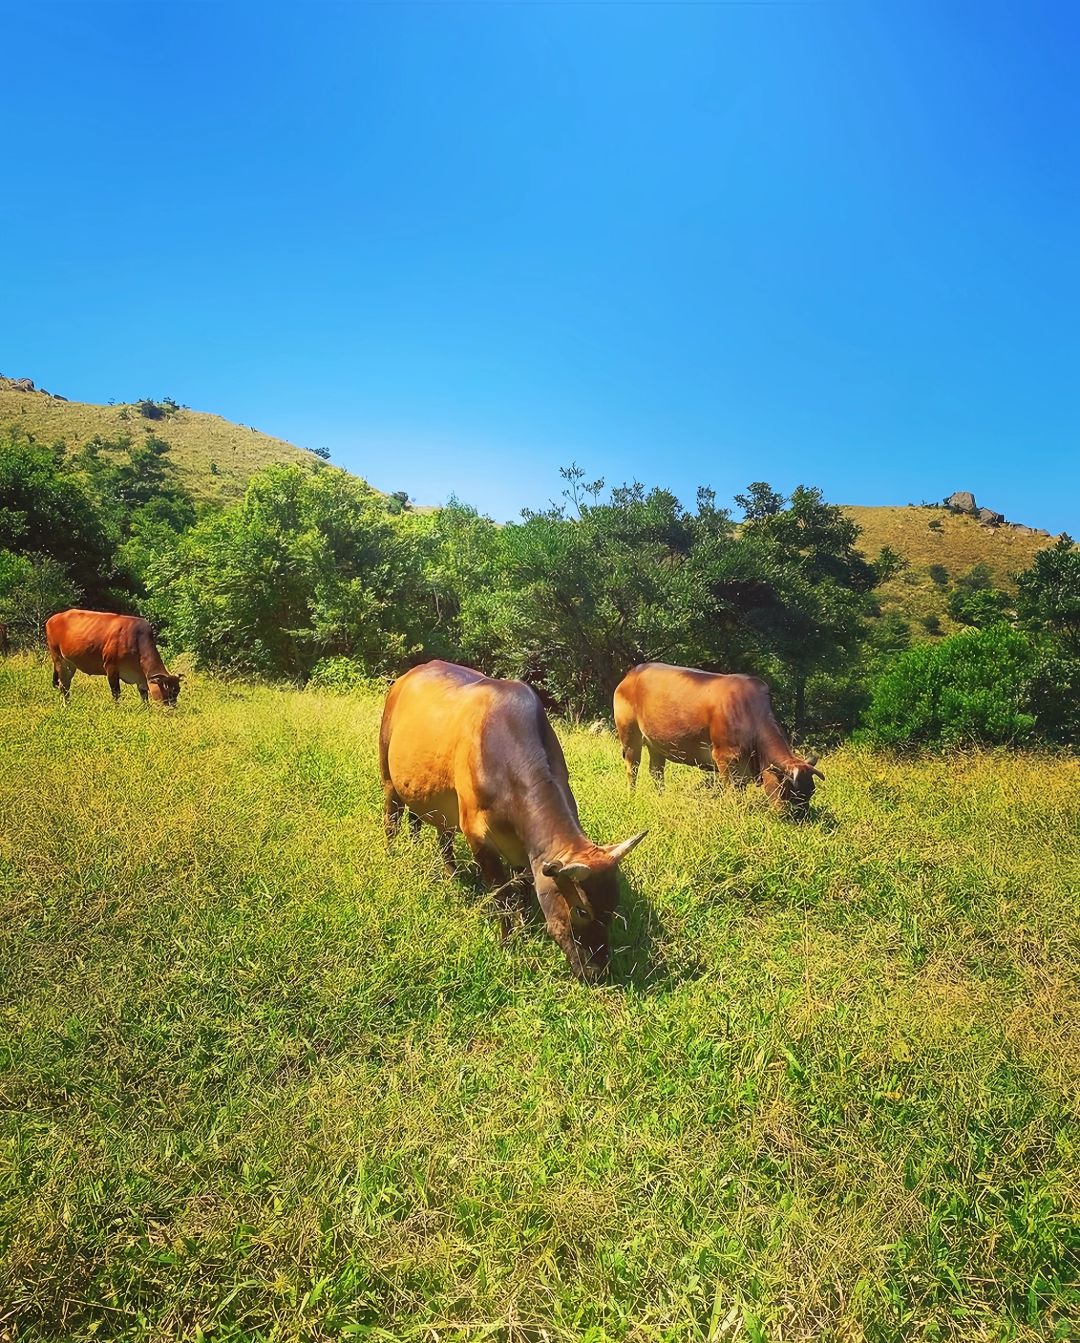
x=961 y=501
x=18 y=384
x=989 y=518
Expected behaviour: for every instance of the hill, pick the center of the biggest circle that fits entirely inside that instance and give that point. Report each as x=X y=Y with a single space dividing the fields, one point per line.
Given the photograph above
x=929 y=536
x=216 y=458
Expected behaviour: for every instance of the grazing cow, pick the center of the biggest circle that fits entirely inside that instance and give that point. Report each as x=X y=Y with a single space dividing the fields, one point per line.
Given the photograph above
x=722 y=723
x=120 y=648
x=466 y=752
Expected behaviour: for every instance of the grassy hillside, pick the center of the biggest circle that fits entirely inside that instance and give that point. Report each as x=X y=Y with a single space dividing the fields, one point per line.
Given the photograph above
x=958 y=543
x=199 y=441
x=260 y=1079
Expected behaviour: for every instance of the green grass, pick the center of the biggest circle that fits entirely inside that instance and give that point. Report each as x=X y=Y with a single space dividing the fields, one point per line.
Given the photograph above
x=260 y=1079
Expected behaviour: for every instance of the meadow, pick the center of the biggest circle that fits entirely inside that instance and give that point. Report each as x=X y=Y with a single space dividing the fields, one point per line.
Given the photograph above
x=261 y=1079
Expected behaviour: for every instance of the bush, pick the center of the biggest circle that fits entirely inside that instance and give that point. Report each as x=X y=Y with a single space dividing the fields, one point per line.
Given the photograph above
x=981 y=687
x=344 y=676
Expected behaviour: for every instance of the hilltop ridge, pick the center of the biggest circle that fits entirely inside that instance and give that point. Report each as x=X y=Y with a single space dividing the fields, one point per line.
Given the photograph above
x=215 y=457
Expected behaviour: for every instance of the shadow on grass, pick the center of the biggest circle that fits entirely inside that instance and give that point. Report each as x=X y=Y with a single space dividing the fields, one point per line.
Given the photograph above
x=638 y=936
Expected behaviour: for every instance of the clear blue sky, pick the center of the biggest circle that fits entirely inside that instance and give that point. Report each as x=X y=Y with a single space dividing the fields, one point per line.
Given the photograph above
x=462 y=244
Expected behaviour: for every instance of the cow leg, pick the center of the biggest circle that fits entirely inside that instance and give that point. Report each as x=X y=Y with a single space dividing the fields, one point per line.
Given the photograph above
x=657 y=761
x=393 y=810
x=63 y=671
x=504 y=888
x=415 y=823
x=630 y=736
x=144 y=695
x=723 y=760
x=446 y=852
x=112 y=675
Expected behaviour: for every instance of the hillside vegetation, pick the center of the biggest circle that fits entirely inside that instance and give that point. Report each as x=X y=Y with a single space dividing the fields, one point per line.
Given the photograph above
x=261 y=1079
x=199 y=442
x=957 y=543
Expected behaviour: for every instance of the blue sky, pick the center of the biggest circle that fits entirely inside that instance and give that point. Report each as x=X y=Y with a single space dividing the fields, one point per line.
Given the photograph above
x=462 y=244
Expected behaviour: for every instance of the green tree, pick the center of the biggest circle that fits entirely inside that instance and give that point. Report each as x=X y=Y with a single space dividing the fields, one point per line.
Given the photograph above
x=1049 y=593
x=32 y=588
x=308 y=565
x=46 y=512
x=974 y=600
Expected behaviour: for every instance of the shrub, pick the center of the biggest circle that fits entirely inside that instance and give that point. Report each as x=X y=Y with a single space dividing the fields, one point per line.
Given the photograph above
x=979 y=687
x=344 y=676
x=939 y=575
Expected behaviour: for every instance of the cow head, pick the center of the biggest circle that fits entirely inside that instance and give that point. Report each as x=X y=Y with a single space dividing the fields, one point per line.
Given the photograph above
x=791 y=786
x=165 y=688
x=578 y=896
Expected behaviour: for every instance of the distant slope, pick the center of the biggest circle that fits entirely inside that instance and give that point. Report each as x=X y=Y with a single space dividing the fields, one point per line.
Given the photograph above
x=959 y=543
x=200 y=442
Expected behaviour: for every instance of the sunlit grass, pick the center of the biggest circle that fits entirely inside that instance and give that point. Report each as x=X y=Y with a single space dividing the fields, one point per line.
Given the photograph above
x=260 y=1078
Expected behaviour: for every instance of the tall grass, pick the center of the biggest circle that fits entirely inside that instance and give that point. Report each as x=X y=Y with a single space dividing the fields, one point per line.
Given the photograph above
x=262 y=1079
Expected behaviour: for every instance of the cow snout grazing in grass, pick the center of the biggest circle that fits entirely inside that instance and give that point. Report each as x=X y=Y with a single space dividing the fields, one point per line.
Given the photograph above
x=120 y=648
x=716 y=722
x=466 y=752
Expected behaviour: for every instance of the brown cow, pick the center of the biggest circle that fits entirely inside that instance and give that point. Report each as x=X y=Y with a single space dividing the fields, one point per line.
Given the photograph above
x=121 y=648
x=466 y=752
x=722 y=723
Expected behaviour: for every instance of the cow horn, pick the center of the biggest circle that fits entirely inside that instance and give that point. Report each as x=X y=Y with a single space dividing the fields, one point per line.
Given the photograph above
x=617 y=852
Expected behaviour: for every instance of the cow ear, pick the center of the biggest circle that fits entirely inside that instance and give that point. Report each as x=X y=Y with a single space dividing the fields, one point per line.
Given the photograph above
x=816 y=772
x=573 y=871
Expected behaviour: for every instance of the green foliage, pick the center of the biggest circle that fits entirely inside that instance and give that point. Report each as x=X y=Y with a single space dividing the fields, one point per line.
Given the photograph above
x=345 y=676
x=306 y=566
x=265 y=1079
x=140 y=498
x=939 y=575
x=978 y=687
x=575 y=595
x=975 y=601
x=32 y=588
x=1049 y=593
x=46 y=512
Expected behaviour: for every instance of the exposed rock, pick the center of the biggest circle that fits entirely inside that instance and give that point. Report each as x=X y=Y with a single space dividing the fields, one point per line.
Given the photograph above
x=989 y=518
x=961 y=501
x=1021 y=530
x=20 y=384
